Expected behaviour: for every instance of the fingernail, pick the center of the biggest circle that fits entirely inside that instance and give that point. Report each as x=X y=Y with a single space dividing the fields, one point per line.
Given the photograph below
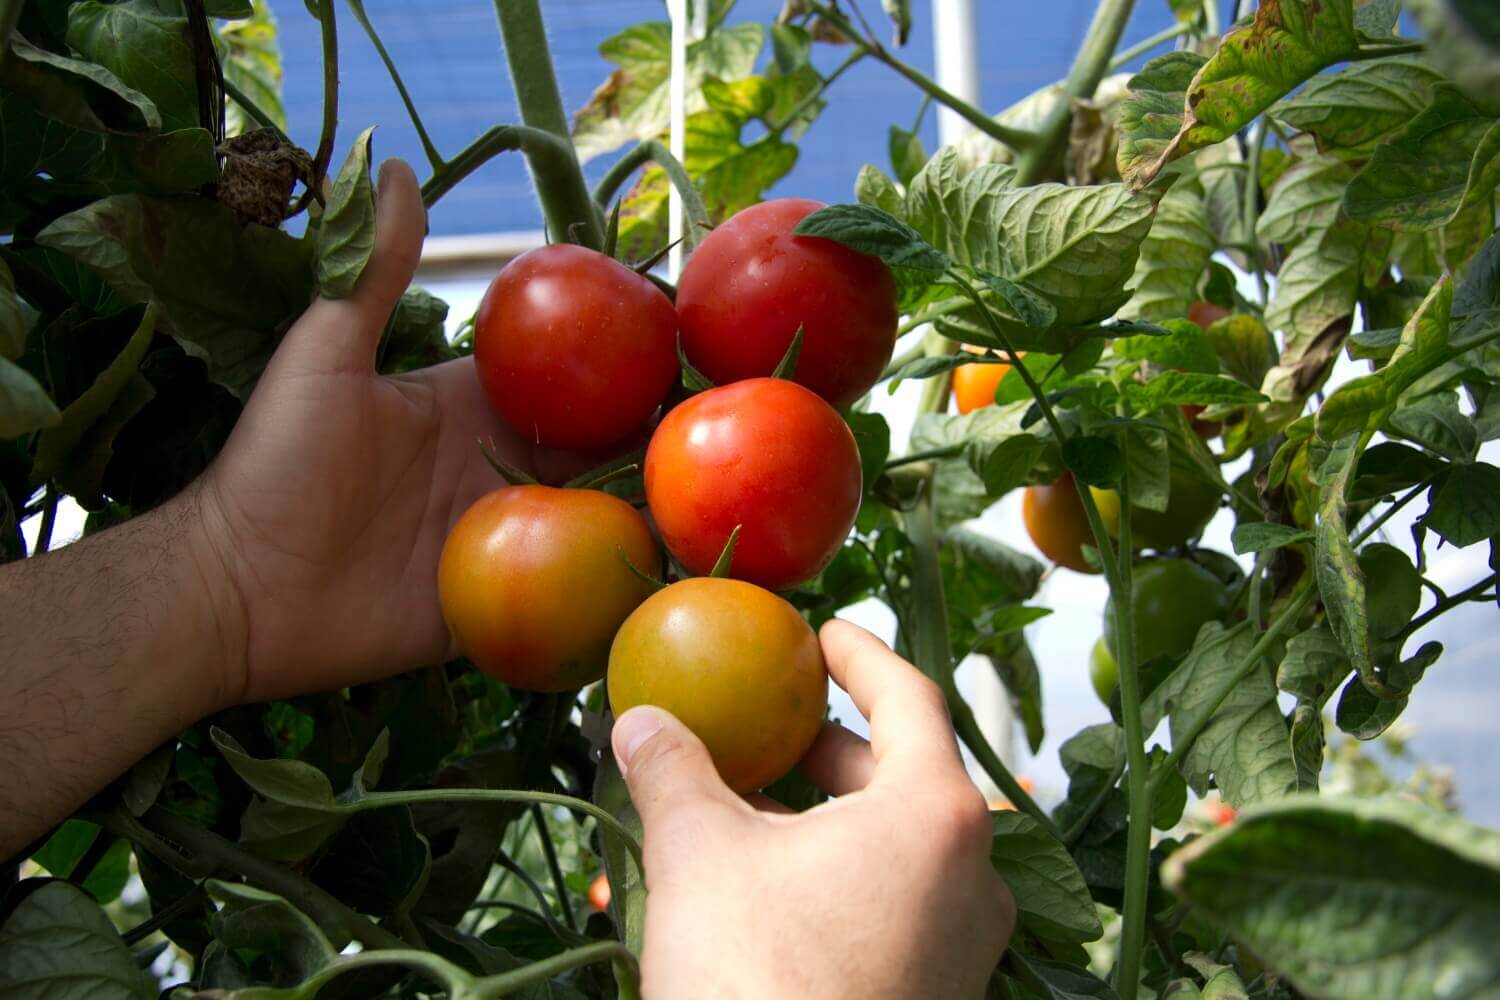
x=631 y=732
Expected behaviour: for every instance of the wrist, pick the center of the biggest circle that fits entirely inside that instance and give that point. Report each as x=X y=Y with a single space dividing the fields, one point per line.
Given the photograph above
x=215 y=622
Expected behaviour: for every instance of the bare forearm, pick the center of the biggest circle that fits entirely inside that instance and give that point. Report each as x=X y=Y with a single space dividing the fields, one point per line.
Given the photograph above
x=107 y=648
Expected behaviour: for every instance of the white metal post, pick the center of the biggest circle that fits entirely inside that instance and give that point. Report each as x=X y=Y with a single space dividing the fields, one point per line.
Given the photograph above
x=677 y=123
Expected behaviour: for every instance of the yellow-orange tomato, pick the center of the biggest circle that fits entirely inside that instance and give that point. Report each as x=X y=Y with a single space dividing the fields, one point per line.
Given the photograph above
x=599 y=894
x=736 y=664
x=533 y=583
x=974 y=385
x=1057 y=524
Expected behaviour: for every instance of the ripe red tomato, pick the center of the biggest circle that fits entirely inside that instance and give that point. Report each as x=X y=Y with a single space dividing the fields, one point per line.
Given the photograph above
x=766 y=455
x=737 y=664
x=574 y=349
x=1206 y=314
x=599 y=893
x=1057 y=524
x=533 y=586
x=751 y=283
x=974 y=385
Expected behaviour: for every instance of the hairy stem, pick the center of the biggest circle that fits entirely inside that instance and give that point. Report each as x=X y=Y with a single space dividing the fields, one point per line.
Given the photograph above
x=543 y=150
x=1017 y=139
x=559 y=186
x=330 y=96
x=433 y=157
x=1089 y=66
x=1147 y=44
x=652 y=151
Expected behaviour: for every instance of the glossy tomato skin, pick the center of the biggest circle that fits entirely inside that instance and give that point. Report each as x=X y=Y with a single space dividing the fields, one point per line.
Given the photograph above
x=751 y=283
x=1171 y=600
x=765 y=455
x=737 y=664
x=1057 y=524
x=974 y=386
x=573 y=348
x=533 y=586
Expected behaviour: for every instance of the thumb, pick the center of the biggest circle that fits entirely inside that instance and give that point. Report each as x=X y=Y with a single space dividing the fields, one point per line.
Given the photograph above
x=666 y=767
x=344 y=334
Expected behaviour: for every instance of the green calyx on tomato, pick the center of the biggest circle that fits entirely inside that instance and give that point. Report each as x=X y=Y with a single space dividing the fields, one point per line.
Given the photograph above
x=737 y=664
x=764 y=455
x=752 y=282
x=533 y=586
x=573 y=348
x=1171 y=599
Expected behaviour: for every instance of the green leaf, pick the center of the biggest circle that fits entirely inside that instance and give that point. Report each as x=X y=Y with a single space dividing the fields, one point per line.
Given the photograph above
x=1424 y=928
x=1095 y=461
x=1365 y=715
x=1151 y=115
x=378 y=863
x=346 y=233
x=1262 y=536
x=1058 y=980
x=872 y=187
x=1033 y=310
x=24 y=404
x=76 y=92
x=78 y=446
x=1245 y=747
x=416 y=338
x=76 y=838
x=1244 y=347
x=15 y=315
x=1174 y=388
x=1460 y=45
x=1313 y=666
x=1393 y=589
x=253 y=920
x=1361 y=105
x=907 y=154
x=633 y=103
x=1051 y=897
x=1464 y=508
x=1377 y=19
x=1255 y=65
x=58 y=943
x=251 y=57
x=1444 y=159
x=872 y=435
x=1174 y=256
x=290 y=782
x=150 y=52
x=228 y=308
x=876 y=233
x=1185 y=348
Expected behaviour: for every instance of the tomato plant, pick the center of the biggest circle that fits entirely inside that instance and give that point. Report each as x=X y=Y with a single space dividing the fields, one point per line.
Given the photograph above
x=737 y=664
x=765 y=456
x=754 y=282
x=512 y=568
x=573 y=348
x=1258 y=272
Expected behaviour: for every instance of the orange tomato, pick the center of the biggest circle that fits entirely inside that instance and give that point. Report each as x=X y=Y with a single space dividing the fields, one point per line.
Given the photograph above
x=974 y=385
x=1057 y=524
x=599 y=894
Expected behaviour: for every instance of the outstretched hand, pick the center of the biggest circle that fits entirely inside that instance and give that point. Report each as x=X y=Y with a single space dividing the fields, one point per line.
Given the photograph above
x=748 y=900
x=328 y=507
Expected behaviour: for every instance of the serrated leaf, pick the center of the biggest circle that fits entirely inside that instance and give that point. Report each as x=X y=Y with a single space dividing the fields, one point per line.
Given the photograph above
x=346 y=233
x=1335 y=567
x=1033 y=310
x=58 y=943
x=1444 y=159
x=1430 y=919
x=1184 y=347
x=1361 y=105
x=1175 y=388
x=1262 y=536
x=906 y=152
x=1051 y=897
x=1174 y=256
x=1151 y=116
x=1313 y=666
x=876 y=233
x=872 y=187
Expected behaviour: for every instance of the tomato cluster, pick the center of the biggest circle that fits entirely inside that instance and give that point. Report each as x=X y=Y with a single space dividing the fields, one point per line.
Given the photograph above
x=756 y=480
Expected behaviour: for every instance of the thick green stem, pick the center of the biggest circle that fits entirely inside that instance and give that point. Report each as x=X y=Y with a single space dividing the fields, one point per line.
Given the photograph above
x=255 y=111
x=543 y=150
x=571 y=215
x=433 y=156
x=330 y=95
x=1089 y=67
x=1015 y=138
x=652 y=151
x=935 y=659
x=1147 y=44
x=549 y=851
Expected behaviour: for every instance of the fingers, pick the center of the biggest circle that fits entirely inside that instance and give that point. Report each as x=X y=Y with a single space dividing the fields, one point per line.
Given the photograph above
x=910 y=731
x=343 y=334
x=666 y=768
x=839 y=762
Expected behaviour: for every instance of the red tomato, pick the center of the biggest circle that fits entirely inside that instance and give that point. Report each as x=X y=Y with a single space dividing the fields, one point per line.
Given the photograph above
x=1206 y=314
x=766 y=455
x=574 y=349
x=599 y=894
x=533 y=586
x=751 y=283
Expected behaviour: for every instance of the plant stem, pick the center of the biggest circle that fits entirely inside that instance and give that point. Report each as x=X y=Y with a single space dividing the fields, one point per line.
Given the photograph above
x=433 y=156
x=935 y=659
x=1447 y=604
x=255 y=111
x=330 y=96
x=559 y=186
x=543 y=150
x=1071 y=834
x=1147 y=44
x=10 y=13
x=221 y=854
x=946 y=451
x=49 y=520
x=1017 y=139
x=1390 y=511
x=903 y=359
x=513 y=866
x=549 y=851
x=653 y=151
x=1211 y=18
x=1252 y=208
x=1381 y=51
x=1083 y=78
x=812 y=98
x=538 y=972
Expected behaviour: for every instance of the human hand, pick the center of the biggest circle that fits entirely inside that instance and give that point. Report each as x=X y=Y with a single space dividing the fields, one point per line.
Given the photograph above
x=885 y=891
x=328 y=507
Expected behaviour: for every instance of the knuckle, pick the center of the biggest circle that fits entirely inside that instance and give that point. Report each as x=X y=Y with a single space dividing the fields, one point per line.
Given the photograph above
x=963 y=821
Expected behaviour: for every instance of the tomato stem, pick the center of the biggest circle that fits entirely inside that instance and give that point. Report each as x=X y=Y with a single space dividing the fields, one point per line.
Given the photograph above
x=549 y=851
x=652 y=151
x=433 y=156
x=330 y=97
x=255 y=111
x=1147 y=44
x=814 y=96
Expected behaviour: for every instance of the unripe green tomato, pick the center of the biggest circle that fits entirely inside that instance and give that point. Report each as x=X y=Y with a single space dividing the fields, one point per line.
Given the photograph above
x=1103 y=670
x=1191 y=504
x=1171 y=600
